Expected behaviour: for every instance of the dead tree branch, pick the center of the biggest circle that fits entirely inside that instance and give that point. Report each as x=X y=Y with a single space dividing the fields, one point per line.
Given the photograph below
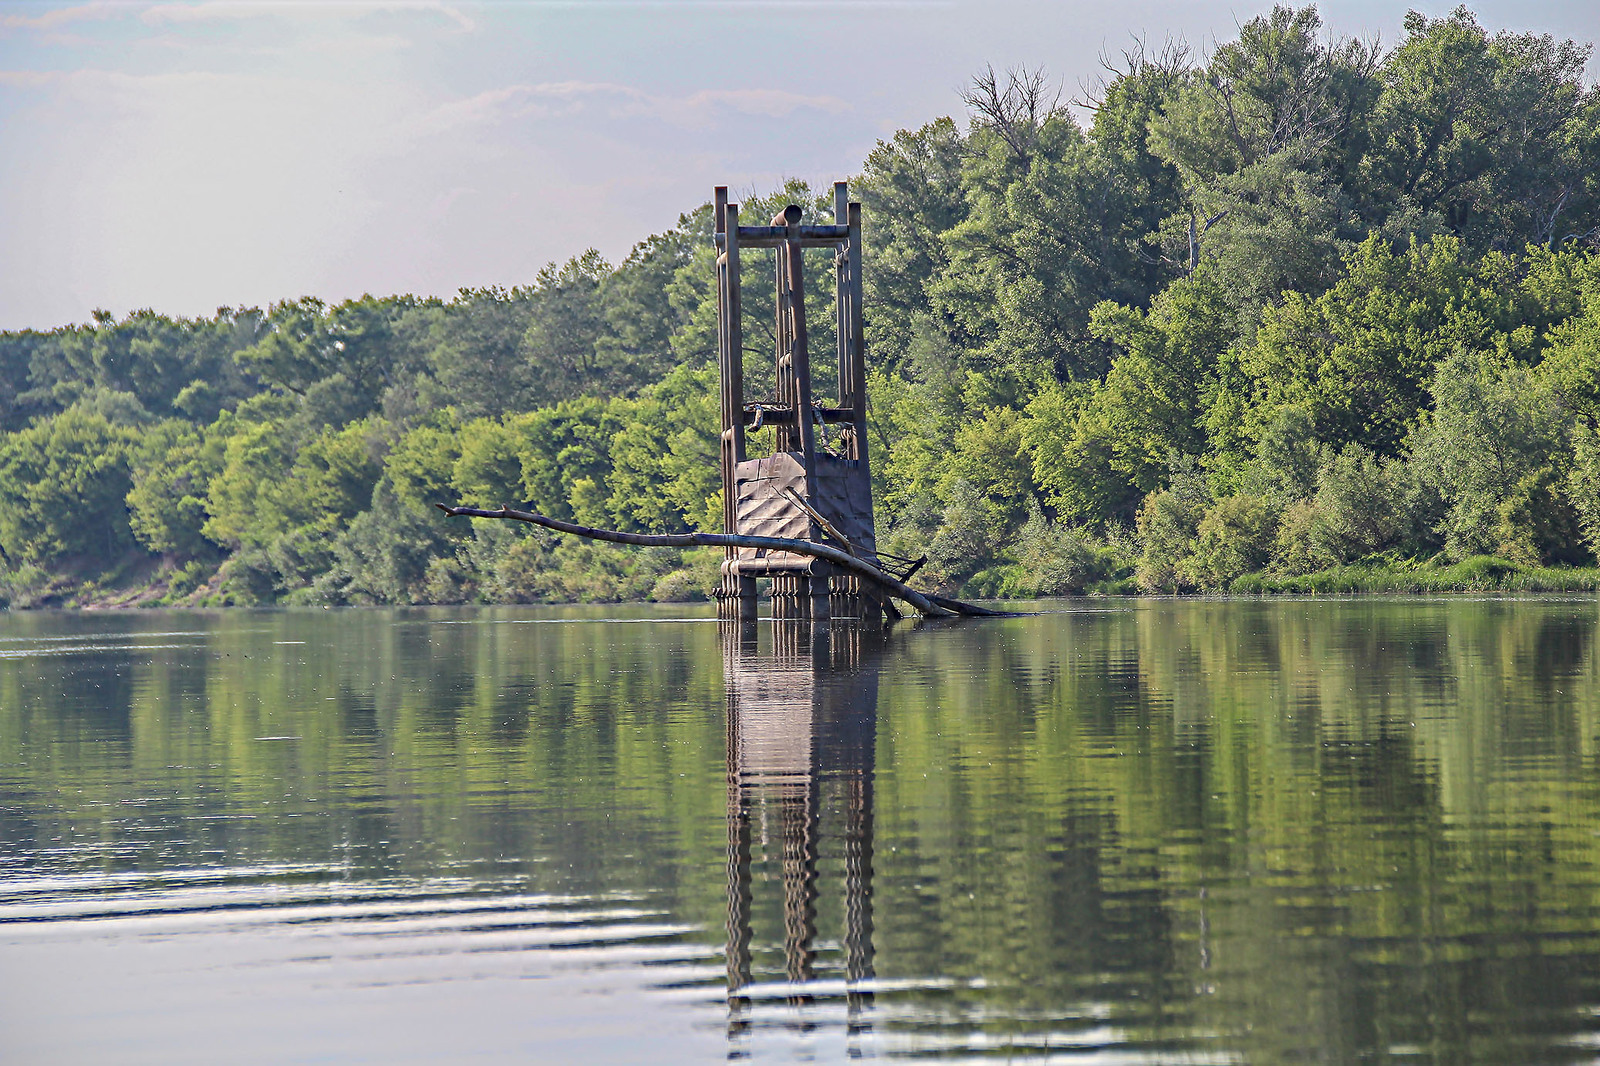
x=927 y=606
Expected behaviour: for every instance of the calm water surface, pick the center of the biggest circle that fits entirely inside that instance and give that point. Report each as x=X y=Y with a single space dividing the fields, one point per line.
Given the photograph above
x=1128 y=832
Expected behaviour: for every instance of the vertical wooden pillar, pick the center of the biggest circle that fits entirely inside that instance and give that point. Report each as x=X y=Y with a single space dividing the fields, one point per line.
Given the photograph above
x=856 y=396
x=738 y=593
x=821 y=606
x=794 y=359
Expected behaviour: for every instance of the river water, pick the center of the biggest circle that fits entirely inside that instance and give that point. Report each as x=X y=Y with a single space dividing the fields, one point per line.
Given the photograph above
x=1122 y=832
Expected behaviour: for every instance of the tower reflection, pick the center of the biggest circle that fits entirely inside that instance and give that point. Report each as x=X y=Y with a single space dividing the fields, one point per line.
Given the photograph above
x=802 y=733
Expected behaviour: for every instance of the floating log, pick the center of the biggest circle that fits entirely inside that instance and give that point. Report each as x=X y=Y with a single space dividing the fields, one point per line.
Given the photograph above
x=927 y=606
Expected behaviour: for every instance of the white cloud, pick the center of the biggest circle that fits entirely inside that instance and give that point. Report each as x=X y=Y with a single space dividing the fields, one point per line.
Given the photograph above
x=28 y=79
x=61 y=16
x=231 y=10
x=693 y=111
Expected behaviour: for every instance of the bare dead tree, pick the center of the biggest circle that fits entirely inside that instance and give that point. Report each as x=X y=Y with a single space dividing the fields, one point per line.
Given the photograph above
x=1198 y=228
x=1016 y=111
x=1166 y=67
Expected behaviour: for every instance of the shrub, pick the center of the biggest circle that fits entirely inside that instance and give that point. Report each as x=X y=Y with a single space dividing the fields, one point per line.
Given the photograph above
x=1055 y=559
x=447 y=581
x=1360 y=504
x=1493 y=425
x=678 y=586
x=1168 y=523
x=1167 y=528
x=1538 y=522
x=1583 y=484
x=963 y=544
x=1234 y=538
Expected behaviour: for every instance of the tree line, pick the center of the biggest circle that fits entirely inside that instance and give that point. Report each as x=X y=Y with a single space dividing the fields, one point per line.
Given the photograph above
x=1300 y=306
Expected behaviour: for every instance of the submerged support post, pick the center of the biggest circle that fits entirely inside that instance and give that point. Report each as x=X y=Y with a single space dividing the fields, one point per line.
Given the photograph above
x=744 y=589
x=821 y=607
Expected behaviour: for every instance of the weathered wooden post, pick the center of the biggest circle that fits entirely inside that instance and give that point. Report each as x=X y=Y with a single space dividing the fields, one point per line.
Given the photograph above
x=799 y=490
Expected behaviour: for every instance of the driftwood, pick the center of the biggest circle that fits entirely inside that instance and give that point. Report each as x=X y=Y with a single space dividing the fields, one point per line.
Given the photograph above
x=927 y=606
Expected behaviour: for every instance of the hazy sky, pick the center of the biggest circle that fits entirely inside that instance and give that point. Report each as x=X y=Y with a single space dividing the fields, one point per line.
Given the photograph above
x=184 y=156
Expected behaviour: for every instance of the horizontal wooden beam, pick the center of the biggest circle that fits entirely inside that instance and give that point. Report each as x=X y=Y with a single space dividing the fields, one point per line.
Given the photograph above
x=784 y=416
x=771 y=236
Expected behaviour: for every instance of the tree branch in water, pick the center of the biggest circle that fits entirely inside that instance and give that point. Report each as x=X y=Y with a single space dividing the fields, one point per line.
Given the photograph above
x=927 y=606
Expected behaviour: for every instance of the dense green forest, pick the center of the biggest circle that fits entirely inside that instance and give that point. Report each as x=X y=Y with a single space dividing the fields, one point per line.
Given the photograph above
x=1301 y=312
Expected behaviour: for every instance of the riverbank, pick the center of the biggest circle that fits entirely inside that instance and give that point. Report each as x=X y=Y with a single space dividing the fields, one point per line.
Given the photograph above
x=1479 y=573
x=144 y=584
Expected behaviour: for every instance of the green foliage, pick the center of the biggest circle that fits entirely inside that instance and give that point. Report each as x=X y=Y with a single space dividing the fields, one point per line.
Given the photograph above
x=1360 y=502
x=1583 y=484
x=1493 y=426
x=665 y=473
x=1352 y=291
x=1571 y=365
x=1477 y=129
x=1476 y=573
x=1055 y=559
x=1234 y=538
x=565 y=452
x=1168 y=526
x=173 y=467
x=911 y=195
x=62 y=485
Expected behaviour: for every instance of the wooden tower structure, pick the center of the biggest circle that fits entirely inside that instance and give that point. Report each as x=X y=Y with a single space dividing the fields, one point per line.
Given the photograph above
x=801 y=490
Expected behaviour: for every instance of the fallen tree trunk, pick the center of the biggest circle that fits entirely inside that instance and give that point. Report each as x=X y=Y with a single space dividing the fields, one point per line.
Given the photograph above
x=928 y=607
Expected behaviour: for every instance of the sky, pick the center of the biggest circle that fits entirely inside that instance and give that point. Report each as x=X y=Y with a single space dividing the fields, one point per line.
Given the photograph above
x=189 y=156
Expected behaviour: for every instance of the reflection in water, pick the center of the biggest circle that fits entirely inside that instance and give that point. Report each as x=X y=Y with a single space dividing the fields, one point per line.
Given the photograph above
x=1153 y=831
x=802 y=732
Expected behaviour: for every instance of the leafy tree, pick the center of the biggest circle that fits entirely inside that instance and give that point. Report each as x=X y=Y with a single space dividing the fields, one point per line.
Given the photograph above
x=1571 y=364
x=1482 y=131
x=562 y=446
x=392 y=553
x=636 y=305
x=911 y=194
x=20 y=402
x=339 y=360
x=1039 y=248
x=173 y=465
x=1360 y=504
x=63 y=481
x=665 y=473
x=241 y=497
x=475 y=357
x=1491 y=429
x=420 y=466
x=1151 y=405
x=1583 y=484
x=564 y=330
x=1263 y=135
x=489 y=470
x=1276 y=88
x=1358 y=358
